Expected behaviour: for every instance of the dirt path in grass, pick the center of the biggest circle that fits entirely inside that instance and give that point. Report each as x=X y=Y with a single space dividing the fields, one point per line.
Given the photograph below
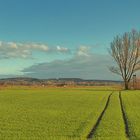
x=124 y=116
x=90 y=135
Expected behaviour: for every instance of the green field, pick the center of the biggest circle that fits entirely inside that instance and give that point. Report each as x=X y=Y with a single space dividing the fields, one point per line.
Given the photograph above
x=112 y=124
x=131 y=102
x=68 y=114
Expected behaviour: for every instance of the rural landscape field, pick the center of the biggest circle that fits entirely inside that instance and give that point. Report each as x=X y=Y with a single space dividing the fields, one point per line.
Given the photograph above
x=69 y=69
x=69 y=114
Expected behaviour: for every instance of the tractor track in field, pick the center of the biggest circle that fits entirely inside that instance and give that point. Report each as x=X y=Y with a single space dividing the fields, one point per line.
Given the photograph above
x=91 y=133
x=124 y=117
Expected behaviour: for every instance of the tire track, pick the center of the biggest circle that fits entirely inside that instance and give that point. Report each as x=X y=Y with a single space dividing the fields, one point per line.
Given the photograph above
x=91 y=134
x=124 y=117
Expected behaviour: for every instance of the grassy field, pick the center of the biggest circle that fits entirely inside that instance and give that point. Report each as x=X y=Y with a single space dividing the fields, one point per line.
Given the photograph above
x=131 y=102
x=112 y=124
x=68 y=114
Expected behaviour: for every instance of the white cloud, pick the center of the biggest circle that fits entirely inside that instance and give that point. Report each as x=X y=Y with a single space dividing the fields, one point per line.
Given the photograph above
x=83 y=51
x=62 y=49
x=25 y=50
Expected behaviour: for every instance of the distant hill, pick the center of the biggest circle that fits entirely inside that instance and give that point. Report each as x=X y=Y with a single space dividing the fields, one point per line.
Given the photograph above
x=27 y=81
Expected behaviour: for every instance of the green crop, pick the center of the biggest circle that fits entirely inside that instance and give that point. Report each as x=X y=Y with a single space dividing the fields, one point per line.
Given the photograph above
x=131 y=102
x=49 y=113
x=69 y=114
x=111 y=126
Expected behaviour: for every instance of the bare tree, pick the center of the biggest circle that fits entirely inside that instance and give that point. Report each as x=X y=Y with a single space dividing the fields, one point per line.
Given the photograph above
x=125 y=50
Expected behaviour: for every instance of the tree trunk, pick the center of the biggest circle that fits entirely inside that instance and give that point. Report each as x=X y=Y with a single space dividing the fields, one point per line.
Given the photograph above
x=126 y=85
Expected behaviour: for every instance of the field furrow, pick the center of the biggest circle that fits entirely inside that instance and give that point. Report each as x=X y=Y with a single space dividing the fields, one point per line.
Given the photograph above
x=131 y=103
x=90 y=135
x=112 y=125
x=124 y=116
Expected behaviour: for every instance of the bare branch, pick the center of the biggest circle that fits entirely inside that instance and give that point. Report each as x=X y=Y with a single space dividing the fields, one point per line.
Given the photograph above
x=125 y=50
x=115 y=70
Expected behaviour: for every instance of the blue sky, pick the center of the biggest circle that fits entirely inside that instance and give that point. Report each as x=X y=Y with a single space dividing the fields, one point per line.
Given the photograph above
x=62 y=38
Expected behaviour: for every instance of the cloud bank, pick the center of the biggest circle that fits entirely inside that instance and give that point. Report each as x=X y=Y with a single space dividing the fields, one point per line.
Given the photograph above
x=84 y=64
x=24 y=50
